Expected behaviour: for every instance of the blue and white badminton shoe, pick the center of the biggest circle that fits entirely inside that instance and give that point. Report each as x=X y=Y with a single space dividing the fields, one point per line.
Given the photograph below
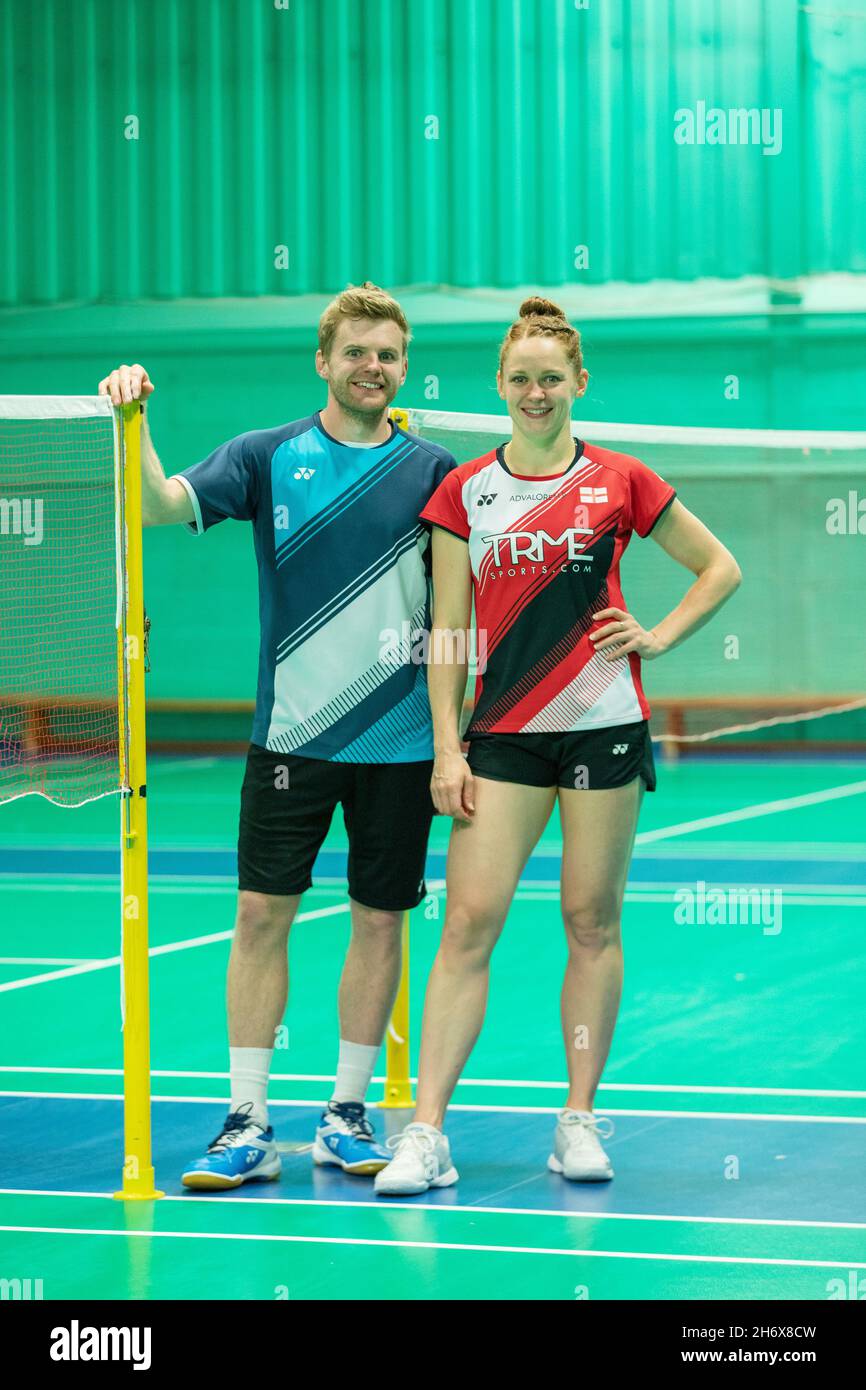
x=345 y=1139
x=243 y=1151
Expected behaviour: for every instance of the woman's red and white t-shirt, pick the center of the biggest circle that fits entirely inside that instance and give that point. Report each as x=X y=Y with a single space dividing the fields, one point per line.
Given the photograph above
x=545 y=558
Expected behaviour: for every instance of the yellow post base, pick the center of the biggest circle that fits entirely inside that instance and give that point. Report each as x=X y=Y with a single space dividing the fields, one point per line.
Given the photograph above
x=137 y=1196
x=398 y=1096
x=139 y=1189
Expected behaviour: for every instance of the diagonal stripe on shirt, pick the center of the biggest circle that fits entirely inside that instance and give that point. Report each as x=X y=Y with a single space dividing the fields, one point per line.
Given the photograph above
x=340 y=504
x=341 y=600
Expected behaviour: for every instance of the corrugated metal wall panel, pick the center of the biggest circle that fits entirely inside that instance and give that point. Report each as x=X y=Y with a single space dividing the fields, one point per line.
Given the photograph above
x=834 y=149
x=309 y=127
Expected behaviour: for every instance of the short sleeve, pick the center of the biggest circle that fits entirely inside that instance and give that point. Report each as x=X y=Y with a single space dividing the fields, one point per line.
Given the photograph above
x=223 y=486
x=446 y=508
x=650 y=497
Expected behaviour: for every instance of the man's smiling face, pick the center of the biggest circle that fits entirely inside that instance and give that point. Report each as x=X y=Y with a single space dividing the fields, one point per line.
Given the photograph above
x=366 y=365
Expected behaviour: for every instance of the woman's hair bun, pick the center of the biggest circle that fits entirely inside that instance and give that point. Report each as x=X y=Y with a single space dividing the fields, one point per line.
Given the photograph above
x=541 y=318
x=536 y=307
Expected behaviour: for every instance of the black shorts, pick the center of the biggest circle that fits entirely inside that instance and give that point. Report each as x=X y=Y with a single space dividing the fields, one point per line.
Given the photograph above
x=286 y=807
x=588 y=760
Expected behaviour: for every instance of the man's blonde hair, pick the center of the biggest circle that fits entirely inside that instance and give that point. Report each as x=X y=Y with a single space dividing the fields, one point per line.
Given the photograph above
x=365 y=301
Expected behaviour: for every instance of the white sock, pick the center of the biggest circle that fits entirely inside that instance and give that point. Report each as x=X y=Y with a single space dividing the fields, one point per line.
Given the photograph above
x=249 y=1067
x=355 y=1068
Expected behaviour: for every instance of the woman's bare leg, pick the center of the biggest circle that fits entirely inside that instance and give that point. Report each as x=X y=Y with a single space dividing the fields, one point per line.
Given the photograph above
x=598 y=830
x=485 y=860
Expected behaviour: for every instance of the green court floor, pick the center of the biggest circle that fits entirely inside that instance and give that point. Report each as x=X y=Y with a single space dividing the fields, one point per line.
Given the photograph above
x=735 y=1082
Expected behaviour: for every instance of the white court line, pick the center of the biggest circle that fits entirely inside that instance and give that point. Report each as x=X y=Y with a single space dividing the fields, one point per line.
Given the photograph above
x=812 y=850
x=437 y=1245
x=655 y=1087
x=226 y=1199
x=183 y=883
x=64 y=883
x=764 y=808
x=545 y=890
x=552 y=894
x=746 y=885
x=49 y=960
x=166 y=950
x=314 y=1103
x=549 y=848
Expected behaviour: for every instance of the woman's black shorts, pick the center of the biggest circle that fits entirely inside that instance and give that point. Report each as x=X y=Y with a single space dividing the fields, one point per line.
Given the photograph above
x=588 y=760
x=286 y=807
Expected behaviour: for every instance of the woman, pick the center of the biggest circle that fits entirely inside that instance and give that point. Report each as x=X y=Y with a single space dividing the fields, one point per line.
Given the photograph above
x=536 y=529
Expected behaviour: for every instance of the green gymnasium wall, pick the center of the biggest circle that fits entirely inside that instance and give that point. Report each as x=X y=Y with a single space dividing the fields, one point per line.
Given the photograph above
x=185 y=183
x=244 y=147
x=224 y=367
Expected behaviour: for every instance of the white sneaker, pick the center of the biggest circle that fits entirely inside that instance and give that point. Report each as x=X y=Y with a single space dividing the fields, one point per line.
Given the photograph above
x=577 y=1154
x=422 y=1159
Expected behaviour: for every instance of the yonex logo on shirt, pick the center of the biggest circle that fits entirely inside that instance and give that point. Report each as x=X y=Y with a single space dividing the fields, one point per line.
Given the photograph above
x=593 y=494
x=305 y=473
x=620 y=748
x=486 y=498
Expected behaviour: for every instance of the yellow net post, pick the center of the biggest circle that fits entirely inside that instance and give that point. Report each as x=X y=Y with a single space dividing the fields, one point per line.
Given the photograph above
x=398 y=1087
x=138 y=1174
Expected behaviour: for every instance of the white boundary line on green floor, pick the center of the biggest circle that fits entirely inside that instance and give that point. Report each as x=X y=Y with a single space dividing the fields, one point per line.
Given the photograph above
x=227 y=1198
x=438 y=1246
x=521 y=1084
x=318 y=1103
x=763 y=808
x=168 y=949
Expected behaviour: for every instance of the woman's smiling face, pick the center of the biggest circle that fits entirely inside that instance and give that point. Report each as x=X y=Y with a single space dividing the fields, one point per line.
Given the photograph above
x=539 y=386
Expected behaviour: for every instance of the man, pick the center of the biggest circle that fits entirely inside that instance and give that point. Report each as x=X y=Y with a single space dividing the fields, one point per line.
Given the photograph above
x=340 y=718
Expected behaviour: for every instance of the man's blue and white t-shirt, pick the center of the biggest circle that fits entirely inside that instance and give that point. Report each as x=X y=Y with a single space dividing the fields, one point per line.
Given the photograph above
x=344 y=584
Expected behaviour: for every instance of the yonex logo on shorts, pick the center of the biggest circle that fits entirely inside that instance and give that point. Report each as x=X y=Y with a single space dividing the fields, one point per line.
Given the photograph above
x=593 y=494
x=486 y=498
x=305 y=473
x=620 y=748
